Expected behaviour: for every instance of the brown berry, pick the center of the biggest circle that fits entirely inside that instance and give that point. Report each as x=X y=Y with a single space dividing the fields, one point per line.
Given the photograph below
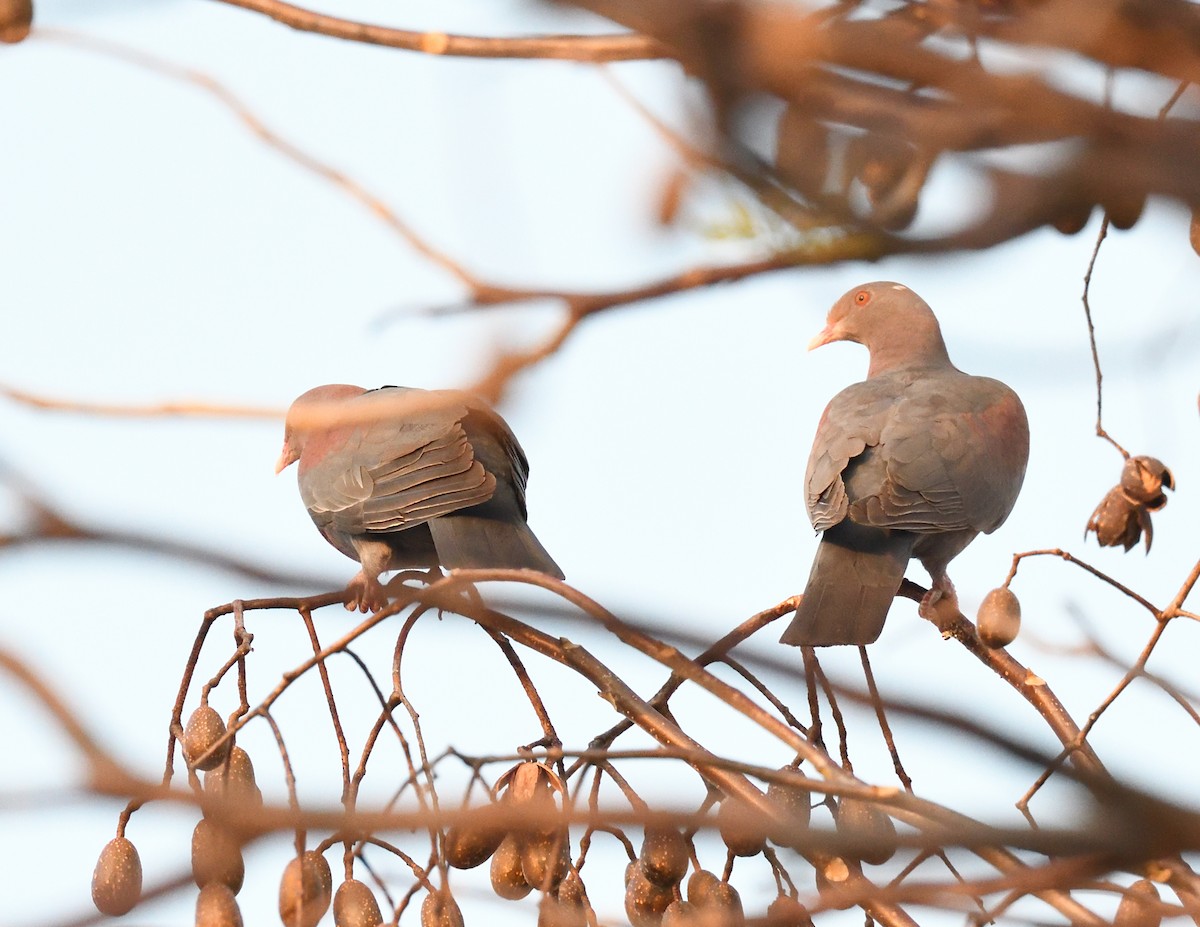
x=1139 y=906
x=564 y=909
x=1124 y=208
x=233 y=780
x=216 y=856
x=471 y=845
x=354 y=905
x=681 y=913
x=645 y=901
x=793 y=806
x=741 y=828
x=999 y=617
x=872 y=831
x=664 y=856
x=204 y=728
x=216 y=907
x=786 y=911
x=1073 y=218
x=305 y=890
x=1194 y=230
x=16 y=16
x=702 y=887
x=725 y=898
x=439 y=909
x=545 y=858
x=117 y=879
x=508 y=877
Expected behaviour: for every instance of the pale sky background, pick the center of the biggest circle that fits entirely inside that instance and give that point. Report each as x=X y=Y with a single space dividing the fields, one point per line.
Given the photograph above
x=154 y=250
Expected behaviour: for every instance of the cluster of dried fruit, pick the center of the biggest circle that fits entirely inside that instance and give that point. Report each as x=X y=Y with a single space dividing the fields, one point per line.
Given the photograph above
x=537 y=856
x=1123 y=515
x=533 y=855
x=217 y=864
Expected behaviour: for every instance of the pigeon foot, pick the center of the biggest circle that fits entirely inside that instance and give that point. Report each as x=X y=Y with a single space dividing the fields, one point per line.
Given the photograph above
x=365 y=594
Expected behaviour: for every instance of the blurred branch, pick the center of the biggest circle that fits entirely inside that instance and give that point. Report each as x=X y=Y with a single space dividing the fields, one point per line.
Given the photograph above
x=590 y=48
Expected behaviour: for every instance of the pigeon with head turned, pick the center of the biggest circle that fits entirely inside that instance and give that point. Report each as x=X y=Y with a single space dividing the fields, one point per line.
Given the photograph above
x=398 y=477
x=914 y=461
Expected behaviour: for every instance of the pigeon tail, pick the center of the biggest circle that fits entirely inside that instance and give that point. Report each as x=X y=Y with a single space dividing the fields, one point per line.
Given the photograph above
x=478 y=542
x=855 y=575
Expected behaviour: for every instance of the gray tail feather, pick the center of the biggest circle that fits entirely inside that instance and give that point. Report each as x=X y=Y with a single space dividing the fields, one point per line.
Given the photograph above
x=475 y=542
x=855 y=575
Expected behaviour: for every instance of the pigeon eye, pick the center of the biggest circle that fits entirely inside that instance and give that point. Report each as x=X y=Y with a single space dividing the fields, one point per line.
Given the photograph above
x=862 y=297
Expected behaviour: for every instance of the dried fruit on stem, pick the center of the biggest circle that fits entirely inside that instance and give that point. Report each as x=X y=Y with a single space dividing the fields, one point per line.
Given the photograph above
x=1123 y=515
x=305 y=890
x=216 y=907
x=204 y=728
x=117 y=879
x=354 y=905
x=216 y=856
x=999 y=617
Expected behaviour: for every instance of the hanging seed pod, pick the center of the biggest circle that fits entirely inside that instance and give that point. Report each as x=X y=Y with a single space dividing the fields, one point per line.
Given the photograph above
x=204 y=728
x=566 y=907
x=16 y=18
x=508 y=877
x=233 y=780
x=1073 y=218
x=1139 y=906
x=439 y=909
x=645 y=901
x=354 y=905
x=681 y=914
x=726 y=900
x=786 y=910
x=216 y=907
x=664 y=856
x=872 y=831
x=793 y=810
x=545 y=858
x=1124 y=208
x=702 y=888
x=999 y=617
x=305 y=890
x=216 y=856
x=471 y=845
x=741 y=827
x=117 y=878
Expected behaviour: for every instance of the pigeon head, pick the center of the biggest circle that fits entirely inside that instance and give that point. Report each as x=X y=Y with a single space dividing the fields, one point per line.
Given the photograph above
x=295 y=436
x=890 y=321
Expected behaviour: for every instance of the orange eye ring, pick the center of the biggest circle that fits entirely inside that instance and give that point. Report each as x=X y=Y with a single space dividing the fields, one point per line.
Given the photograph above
x=862 y=297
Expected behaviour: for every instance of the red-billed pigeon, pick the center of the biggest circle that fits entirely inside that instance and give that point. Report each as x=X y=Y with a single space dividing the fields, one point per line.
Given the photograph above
x=914 y=461
x=398 y=477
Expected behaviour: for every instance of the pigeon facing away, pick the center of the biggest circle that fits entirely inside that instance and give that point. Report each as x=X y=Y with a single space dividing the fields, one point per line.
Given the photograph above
x=411 y=478
x=914 y=461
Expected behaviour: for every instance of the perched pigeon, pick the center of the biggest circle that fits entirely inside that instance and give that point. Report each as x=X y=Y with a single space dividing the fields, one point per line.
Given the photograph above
x=398 y=477
x=914 y=461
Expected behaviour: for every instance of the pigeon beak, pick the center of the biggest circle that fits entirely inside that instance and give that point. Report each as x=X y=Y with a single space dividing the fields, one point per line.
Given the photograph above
x=831 y=332
x=287 y=457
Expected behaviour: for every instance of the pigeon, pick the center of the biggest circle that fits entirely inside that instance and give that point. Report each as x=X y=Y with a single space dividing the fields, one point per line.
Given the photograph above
x=914 y=461
x=399 y=478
